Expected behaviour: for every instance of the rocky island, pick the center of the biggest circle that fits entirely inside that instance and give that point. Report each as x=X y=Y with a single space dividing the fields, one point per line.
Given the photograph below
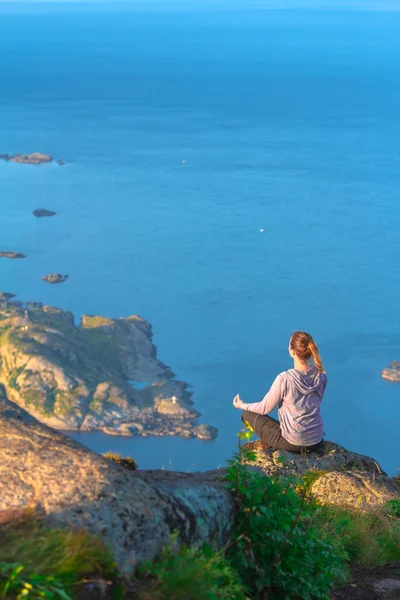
x=102 y=374
x=11 y=255
x=35 y=158
x=55 y=278
x=392 y=373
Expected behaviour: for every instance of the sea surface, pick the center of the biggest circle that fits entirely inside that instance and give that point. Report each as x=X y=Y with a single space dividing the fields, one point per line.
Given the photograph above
x=186 y=131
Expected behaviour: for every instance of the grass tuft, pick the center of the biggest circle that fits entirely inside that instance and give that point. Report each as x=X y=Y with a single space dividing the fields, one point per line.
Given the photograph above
x=51 y=559
x=124 y=461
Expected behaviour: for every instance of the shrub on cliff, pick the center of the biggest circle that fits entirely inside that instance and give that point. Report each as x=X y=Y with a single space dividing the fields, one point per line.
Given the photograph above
x=189 y=575
x=276 y=549
x=125 y=461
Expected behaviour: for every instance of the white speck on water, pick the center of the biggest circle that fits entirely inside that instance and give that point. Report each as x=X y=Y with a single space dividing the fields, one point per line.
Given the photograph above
x=261 y=230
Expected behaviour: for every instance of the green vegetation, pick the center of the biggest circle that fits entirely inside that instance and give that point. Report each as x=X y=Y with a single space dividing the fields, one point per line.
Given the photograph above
x=392 y=508
x=127 y=462
x=303 y=487
x=13 y=376
x=13 y=583
x=49 y=563
x=276 y=548
x=189 y=575
x=369 y=538
x=90 y=322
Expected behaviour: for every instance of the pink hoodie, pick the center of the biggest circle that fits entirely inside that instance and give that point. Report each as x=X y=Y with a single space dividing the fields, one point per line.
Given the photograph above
x=299 y=396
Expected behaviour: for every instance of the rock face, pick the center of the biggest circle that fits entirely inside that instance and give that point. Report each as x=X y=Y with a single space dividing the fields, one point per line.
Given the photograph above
x=36 y=158
x=70 y=486
x=12 y=255
x=80 y=377
x=43 y=212
x=392 y=373
x=55 y=278
x=345 y=478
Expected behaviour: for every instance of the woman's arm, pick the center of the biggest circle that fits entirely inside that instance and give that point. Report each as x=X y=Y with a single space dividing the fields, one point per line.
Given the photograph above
x=268 y=403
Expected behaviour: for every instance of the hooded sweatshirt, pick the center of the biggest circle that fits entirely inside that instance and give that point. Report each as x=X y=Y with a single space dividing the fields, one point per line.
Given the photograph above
x=299 y=396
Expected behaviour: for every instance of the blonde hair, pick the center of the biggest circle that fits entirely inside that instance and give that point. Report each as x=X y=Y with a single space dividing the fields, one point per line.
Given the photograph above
x=305 y=348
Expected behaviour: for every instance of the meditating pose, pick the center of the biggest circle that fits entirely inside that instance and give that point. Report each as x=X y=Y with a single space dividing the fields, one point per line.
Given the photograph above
x=298 y=392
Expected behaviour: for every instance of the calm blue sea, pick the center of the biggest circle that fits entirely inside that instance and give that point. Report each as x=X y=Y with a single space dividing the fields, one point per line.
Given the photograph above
x=288 y=122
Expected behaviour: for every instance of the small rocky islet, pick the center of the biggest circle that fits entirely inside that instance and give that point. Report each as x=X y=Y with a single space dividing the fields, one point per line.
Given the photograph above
x=79 y=377
x=35 y=158
x=11 y=255
x=392 y=373
x=55 y=278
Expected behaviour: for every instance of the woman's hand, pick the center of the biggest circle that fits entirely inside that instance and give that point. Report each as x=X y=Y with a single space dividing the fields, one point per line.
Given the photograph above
x=237 y=401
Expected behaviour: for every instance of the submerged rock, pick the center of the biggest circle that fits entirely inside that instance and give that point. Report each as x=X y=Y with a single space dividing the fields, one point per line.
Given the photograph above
x=78 y=377
x=43 y=212
x=12 y=255
x=55 y=278
x=6 y=296
x=392 y=373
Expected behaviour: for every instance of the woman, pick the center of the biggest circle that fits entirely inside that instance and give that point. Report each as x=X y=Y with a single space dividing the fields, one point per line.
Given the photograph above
x=298 y=392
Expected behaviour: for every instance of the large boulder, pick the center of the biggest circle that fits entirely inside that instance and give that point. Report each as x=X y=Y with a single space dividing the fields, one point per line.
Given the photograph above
x=342 y=477
x=360 y=490
x=70 y=486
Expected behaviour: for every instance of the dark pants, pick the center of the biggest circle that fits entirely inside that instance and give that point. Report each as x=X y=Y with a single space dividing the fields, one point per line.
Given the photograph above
x=269 y=431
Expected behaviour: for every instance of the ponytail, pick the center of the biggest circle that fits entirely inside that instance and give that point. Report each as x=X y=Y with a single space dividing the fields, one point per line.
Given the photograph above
x=313 y=348
x=305 y=348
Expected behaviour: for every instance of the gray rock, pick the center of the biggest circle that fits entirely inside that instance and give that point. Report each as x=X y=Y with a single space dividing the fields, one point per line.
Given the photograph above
x=134 y=512
x=388 y=589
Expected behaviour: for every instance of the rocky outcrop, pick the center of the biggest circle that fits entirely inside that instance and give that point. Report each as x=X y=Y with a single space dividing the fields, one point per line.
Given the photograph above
x=342 y=477
x=392 y=373
x=35 y=158
x=70 y=486
x=83 y=377
x=12 y=255
x=43 y=212
x=55 y=278
x=331 y=458
x=135 y=512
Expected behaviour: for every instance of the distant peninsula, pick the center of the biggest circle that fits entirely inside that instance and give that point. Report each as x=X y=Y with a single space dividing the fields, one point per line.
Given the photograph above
x=100 y=375
x=35 y=158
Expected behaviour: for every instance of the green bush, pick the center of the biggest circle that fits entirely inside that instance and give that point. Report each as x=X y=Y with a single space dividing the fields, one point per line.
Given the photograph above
x=189 y=575
x=392 y=508
x=276 y=548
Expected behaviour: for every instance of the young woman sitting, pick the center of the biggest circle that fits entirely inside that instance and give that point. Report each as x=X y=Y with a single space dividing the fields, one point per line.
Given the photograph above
x=299 y=393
